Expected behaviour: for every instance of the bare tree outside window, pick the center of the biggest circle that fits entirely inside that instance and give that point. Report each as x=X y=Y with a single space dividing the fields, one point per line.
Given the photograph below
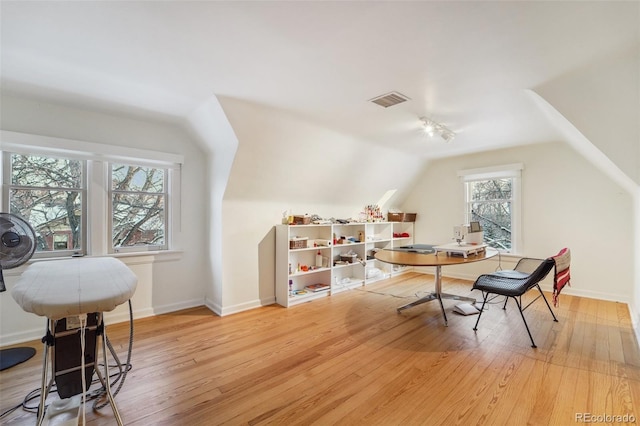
x=490 y=203
x=47 y=192
x=138 y=206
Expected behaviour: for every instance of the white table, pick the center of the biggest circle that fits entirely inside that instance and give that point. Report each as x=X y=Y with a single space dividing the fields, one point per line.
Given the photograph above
x=59 y=289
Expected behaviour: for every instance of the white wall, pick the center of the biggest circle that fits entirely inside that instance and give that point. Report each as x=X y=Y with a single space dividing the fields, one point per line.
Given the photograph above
x=602 y=100
x=285 y=162
x=165 y=282
x=211 y=128
x=567 y=202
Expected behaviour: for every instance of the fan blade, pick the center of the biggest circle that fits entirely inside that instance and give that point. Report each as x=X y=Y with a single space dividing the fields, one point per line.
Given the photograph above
x=17 y=240
x=16 y=252
x=5 y=224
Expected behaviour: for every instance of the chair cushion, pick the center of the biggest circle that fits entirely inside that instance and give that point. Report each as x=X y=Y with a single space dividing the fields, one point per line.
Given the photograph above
x=510 y=273
x=512 y=282
x=506 y=283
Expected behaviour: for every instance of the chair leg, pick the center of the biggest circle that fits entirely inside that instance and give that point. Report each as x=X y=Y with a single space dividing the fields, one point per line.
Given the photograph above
x=533 y=344
x=484 y=301
x=548 y=306
x=504 y=307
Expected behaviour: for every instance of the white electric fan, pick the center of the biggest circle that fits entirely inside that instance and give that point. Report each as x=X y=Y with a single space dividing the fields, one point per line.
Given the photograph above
x=17 y=244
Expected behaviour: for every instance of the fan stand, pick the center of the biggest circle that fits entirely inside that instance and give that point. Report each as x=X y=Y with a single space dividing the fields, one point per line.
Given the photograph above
x=13 y=356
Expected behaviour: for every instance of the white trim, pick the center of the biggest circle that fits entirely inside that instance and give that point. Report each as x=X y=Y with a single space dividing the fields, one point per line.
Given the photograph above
x=36 y=144
x=166 y=211
x=228 y=310
x=96 y=193
x=493 y=172
x=513 y=171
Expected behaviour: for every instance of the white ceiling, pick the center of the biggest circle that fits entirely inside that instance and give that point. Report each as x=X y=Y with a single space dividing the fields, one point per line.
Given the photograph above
x=468 y=65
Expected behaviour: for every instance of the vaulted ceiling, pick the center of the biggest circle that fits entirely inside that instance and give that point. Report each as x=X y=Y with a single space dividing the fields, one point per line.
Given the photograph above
x=469 y=65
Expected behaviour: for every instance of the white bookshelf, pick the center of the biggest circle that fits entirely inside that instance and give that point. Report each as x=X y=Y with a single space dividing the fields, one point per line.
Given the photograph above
x=299 y=265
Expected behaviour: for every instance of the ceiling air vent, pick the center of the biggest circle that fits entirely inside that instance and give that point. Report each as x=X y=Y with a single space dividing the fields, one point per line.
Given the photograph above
x=390 y=99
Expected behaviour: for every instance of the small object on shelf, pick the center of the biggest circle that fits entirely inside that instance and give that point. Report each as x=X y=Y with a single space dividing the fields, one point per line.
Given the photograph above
x=319 y=259
x=401 y=235
x=301 y=220
x=373 y=273
x=299 y=292
x=348 y=257
x=290 y=287
x=298 y=243
x=401 y=217
x=372 y=213
x=318 y=287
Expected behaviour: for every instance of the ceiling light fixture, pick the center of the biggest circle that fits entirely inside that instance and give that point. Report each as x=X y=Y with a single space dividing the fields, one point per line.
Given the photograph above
x=431 y=127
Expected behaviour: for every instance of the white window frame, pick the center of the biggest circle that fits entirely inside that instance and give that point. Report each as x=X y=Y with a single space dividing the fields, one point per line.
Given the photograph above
x=167 y=200
x=8 y=186
x=98 y=156
x=513 y=171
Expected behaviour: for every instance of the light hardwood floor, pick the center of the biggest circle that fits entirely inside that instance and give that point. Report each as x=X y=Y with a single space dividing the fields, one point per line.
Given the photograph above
x=351 y=359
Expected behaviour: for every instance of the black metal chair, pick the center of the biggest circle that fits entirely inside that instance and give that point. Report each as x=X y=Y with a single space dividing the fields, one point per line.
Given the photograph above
x=514 y=283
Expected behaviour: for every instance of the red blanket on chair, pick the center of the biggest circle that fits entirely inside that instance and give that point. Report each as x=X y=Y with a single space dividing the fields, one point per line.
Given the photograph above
x=562 y=274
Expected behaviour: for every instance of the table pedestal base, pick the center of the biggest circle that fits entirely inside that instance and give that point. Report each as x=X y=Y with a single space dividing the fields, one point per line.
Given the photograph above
x=439 y=295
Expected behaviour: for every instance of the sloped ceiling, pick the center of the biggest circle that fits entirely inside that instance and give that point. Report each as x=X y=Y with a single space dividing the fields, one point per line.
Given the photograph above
x=465 y=64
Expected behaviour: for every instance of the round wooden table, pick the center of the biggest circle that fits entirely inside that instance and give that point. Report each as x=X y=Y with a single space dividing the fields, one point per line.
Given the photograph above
x=413 y=257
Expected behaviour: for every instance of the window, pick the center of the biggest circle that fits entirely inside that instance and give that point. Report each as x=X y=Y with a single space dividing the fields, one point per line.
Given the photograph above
x=49 y=193
x=492 y=197
x=138 y=199
x=89 y=198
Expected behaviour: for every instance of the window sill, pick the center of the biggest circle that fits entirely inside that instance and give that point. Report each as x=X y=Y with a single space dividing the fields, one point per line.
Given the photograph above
x=155 y=256
x=136 y=258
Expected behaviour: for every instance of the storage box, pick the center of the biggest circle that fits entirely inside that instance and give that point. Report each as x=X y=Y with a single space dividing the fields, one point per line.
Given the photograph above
x=301 y=220
x=351 y=258
x=401 y=217
x=298 y=243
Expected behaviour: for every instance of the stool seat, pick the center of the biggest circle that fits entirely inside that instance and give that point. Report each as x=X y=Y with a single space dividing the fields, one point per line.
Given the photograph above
x=60 y=288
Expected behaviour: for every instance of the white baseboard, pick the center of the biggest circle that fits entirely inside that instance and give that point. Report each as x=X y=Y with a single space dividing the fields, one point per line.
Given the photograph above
x=228 y=310
x=23 y=336
x=109 y=317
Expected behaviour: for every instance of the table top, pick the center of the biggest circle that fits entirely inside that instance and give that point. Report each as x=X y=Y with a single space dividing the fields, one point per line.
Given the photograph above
x=60 y=288
x=398 y=257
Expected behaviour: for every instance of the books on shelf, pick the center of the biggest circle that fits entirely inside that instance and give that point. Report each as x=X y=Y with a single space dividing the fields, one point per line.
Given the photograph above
x=318 y=287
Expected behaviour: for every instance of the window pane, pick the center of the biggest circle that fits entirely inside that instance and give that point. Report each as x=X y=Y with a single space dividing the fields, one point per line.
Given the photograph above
x=490 y=204
x=56 y=216
x=495 y=220
x=138 y=179
x=45 y=172
x=495 y=189
x=138 y=206
x=138 y=219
